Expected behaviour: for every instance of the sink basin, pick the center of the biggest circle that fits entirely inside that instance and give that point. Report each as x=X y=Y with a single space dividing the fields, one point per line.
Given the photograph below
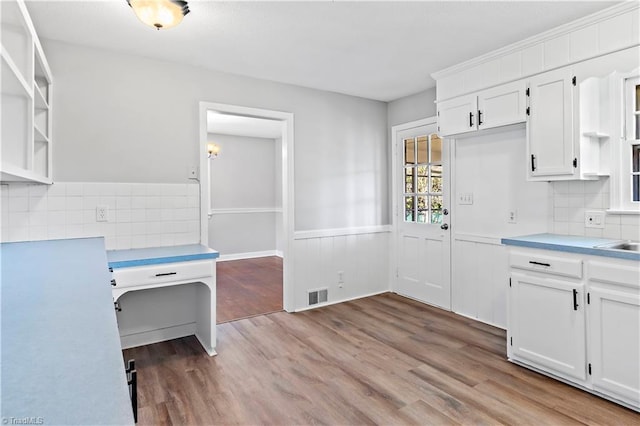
x=622 y=245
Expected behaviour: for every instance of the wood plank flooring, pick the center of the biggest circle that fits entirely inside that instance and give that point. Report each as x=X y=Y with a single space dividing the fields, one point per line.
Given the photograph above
x=380 y=360
x=248 y=287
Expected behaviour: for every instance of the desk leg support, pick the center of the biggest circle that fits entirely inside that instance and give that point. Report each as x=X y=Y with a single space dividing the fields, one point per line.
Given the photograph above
x=206 y=313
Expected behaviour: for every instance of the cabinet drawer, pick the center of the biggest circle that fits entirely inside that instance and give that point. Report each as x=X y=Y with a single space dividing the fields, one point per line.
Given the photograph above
x=168 y=272
x=624 y=275
x=546 y=264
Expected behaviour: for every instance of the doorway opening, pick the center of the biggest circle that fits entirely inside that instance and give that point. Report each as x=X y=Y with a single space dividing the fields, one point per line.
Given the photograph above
x=246 y=192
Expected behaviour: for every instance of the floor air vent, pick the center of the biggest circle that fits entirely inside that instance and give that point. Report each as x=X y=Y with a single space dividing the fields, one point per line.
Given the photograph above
x=318 y=296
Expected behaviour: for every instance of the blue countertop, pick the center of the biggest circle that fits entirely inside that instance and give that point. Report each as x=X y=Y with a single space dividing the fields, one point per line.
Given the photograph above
x=61 y=357
x=571 y=244
x=159 y=255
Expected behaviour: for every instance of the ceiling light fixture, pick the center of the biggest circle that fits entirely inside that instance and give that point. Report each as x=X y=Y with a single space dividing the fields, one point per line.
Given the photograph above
x=159 y=13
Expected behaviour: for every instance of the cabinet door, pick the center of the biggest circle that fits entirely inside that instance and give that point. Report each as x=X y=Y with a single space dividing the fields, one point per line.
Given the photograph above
x=545 y=325
x=550 y=127
x=501 y=106
x=614 y=342
x=457 y=116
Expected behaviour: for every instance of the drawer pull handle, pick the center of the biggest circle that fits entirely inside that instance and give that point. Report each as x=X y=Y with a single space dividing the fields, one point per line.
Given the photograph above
x=166 y=274
x=540 y=263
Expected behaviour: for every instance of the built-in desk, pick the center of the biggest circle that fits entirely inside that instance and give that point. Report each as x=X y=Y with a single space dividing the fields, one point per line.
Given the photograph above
x=151 y=268
x=61 y=356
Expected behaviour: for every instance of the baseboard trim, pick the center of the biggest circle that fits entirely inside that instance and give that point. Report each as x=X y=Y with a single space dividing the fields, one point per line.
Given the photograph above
x=159 y=335
x=249 y=255
x=335 y=302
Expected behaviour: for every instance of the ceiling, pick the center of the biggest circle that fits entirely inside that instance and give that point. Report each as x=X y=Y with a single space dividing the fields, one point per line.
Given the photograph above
x=238 y=125
x=376 y=50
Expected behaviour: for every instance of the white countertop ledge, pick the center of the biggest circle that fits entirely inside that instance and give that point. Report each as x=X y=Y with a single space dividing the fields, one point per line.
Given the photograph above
x=570 y=244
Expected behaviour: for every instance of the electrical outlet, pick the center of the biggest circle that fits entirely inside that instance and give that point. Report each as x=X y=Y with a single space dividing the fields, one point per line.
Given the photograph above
x=513 y=216
x=465 y=199
x=102 y=213
x=340 y=279
x=594 y=219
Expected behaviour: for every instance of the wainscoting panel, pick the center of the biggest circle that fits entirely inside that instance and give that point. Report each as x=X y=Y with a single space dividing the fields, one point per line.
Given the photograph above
x=480 y=278
x=359 y=258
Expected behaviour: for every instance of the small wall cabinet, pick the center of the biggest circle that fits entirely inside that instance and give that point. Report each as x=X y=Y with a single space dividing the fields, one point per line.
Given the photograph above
x=570 y=118
x=26 y=99
x=577 y=317
x=550 y=125
x=495 y=107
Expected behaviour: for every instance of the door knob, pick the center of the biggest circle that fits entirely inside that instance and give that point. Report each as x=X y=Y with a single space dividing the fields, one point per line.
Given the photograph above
x=444 y=226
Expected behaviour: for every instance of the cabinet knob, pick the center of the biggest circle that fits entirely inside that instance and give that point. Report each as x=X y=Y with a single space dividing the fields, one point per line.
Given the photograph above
x=444 y=226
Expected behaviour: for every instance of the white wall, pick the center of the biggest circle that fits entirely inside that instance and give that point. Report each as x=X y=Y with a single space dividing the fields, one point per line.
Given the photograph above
x=122 y=118
x=572 y=199
x=278 y=219
x=411 y=108
x=363 y=258
x=492 y=168
x=244 y=196
x=139 y=215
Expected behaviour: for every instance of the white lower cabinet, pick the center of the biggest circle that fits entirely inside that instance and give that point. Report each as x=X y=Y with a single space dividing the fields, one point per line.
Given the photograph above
x=577 y=318
x=614 y=332
x=548 y=329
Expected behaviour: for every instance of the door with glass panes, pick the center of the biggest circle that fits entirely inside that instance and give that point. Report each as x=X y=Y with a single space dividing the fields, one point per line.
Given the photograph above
x=423 y=238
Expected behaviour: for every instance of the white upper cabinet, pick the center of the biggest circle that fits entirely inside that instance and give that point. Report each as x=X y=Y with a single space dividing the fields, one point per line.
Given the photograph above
x=457 y=116
x=26 y=99
x=495 y=107
x=502 y=105
x=550 y=125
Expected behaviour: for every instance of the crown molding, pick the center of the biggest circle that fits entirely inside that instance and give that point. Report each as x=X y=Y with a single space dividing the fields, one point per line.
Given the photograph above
x=570 y=27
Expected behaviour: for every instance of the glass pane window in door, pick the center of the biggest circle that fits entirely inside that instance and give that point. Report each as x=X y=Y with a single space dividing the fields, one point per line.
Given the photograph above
x=409 y=151
x=435 y=149
x=436 y=184
x=423 y=179
x=409 y=180
x=436 y=209
x=423 y=210
x=423 y=153
x=408 y=209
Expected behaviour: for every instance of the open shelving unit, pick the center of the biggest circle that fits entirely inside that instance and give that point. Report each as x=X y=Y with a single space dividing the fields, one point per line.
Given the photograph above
x=26 y=99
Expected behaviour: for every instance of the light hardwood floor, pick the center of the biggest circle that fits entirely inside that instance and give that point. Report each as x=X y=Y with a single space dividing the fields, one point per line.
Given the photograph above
x=380 y=360
x=248 y=287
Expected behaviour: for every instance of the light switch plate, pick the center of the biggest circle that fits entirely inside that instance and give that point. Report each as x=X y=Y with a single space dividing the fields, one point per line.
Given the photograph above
x=465 y=199
x=192 y=172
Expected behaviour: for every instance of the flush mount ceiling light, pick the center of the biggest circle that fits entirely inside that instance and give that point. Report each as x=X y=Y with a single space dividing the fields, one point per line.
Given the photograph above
x=160 y=13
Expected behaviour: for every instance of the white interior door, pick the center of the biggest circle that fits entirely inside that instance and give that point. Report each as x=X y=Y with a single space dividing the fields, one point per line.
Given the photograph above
x=422 y=216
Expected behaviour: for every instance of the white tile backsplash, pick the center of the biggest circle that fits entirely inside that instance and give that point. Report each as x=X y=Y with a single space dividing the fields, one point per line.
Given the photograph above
x=572 y=199
x=140 y=215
